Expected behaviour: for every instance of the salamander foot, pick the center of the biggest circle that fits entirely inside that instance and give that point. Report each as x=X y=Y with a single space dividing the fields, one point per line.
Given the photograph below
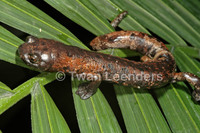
x=196 y=95
x=192 y=79
x=86 y=90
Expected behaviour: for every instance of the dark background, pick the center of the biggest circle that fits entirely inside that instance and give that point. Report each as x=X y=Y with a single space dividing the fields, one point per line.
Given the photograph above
x=18 y=117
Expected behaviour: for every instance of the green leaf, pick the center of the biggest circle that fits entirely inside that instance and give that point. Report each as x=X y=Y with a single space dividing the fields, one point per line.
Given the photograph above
x=180 y=21
x=45 y=115
x=110 y=11
x=190 y=51
x=94 y=114
x=140 y=110
x=190 y=18
x=120 y=52
x=191 y=6
x=24 y=16
x=83 y=13
x=23 y=90
x=185 y=63
x=179 y=108
x=5 y=91
x=148 y=20
x=8 y=47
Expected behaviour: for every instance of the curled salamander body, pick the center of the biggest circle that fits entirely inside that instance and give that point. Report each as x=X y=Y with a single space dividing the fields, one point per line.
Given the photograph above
x=156 y=69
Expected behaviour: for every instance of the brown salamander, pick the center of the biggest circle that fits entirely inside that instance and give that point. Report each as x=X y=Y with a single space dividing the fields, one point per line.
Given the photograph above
x=156 y=69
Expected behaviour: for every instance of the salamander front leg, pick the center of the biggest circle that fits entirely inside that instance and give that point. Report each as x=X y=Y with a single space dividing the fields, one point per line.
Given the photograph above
x=87 y=89
x=192 y=79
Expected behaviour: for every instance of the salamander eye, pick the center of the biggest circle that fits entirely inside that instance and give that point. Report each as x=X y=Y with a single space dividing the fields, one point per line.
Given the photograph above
x=31 y=39
x=33 y=58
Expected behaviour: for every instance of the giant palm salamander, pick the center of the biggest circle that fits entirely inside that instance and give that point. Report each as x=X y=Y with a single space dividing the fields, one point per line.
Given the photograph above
x=156 y=69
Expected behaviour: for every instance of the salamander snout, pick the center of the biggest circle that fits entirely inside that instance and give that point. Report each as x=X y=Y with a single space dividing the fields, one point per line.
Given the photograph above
x=34 y=52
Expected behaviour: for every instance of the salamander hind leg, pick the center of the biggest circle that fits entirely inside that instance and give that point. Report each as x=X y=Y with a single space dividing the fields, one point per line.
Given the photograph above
x=192 y=79
x=118 y=19
x=87 y=89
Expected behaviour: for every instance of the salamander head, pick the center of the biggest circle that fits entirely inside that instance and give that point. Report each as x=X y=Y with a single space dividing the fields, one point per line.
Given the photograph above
x=100 y=43
x=37 y=53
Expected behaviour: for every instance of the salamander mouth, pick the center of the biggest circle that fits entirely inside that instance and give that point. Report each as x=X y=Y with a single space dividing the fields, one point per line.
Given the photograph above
x=21 y=52
x=24 y=55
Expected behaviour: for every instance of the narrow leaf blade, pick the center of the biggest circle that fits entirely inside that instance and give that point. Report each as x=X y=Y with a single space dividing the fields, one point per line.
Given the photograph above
x=94 y=114
x=24 y=16
x=84 y=13
x=44 y=113
x=140 y=110
x=23 y=90
x=5 y=91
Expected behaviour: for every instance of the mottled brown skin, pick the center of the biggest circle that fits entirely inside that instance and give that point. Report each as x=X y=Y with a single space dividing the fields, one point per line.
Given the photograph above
x=156 y=69
x=68 y=59
x=157 y=60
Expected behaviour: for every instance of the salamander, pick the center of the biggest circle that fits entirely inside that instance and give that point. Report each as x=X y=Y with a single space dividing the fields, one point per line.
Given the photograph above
x=156 y=68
